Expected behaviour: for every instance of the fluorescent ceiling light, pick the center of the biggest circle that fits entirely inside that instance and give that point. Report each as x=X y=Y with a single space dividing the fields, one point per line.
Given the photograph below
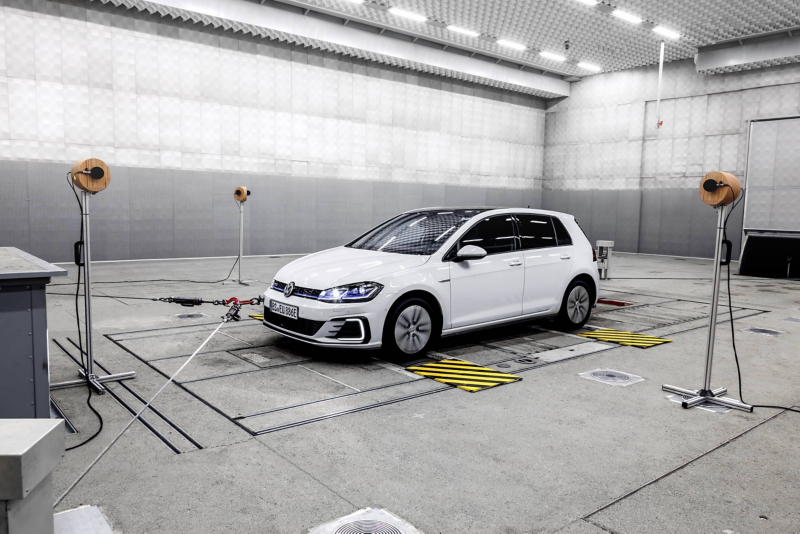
x=407 y=14
x=462 y=30
x=511 y=44
x=588 y=2
x=666 y=33
x=627 y=17
x=589 y=66
x=554 y=57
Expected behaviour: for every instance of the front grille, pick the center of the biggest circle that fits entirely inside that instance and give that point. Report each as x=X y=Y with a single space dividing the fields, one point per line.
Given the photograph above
x=305 y=327
x=302 y=292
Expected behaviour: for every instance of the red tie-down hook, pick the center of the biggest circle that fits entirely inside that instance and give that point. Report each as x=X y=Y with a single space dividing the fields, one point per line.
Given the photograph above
x=660 y=124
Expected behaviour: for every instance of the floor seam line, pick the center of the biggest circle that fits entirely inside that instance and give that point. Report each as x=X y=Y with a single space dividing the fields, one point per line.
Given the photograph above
x=680 y=467
x=306 y=472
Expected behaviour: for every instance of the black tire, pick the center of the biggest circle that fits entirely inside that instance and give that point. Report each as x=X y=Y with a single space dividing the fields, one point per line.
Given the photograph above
x=420 y=323
x=576 y=306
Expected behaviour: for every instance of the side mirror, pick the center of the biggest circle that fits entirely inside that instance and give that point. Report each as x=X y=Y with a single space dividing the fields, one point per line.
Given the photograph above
x=470 y=252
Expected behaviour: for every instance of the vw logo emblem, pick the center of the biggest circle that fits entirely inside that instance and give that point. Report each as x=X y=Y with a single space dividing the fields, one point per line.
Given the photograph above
x=288 y=290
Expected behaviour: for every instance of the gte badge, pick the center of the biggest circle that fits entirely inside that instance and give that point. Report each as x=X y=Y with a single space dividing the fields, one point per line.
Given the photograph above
x=288 y=290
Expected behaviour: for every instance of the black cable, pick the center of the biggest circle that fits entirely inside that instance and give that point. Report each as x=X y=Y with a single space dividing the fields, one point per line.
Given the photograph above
x=80 y=337
x=733 y=330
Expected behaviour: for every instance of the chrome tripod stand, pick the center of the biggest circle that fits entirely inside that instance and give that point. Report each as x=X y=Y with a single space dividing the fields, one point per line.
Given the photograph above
x=708 y=395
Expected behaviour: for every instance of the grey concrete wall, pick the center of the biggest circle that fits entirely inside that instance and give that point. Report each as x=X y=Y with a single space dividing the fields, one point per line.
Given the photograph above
x=173 y=213
x=602 y=141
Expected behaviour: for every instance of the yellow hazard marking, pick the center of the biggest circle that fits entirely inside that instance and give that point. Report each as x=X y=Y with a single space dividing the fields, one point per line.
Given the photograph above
x=463 y=375
x=629 y=339
x=257 y=316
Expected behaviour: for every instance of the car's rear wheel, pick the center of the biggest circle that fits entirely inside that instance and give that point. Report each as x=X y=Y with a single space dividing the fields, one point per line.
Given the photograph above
x=576 y=307
x=411 y=327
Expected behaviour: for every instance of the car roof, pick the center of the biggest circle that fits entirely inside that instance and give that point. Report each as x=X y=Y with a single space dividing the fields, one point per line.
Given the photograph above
x=487 y=210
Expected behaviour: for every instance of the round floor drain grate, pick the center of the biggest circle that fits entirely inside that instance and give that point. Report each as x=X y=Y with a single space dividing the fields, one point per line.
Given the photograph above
x=503 y=365
x=611 y=376
x=526 y=360
x=367 y=527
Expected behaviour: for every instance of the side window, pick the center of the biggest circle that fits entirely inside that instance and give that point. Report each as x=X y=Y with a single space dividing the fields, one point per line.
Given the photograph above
x=561 y=233
x=495 y=235
x=536 y=231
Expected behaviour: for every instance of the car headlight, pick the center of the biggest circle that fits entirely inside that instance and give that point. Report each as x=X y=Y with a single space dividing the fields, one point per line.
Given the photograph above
x=361 y=292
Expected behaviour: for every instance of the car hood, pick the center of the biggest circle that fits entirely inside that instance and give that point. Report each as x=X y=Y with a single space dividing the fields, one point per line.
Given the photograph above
x=343 y=265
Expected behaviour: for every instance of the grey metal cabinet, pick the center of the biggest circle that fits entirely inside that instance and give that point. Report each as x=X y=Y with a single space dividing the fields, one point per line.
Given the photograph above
x=24 y=365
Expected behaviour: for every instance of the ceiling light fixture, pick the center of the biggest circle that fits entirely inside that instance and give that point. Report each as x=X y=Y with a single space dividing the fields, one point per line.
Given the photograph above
x=588 y=2
x=589 y=66
x=627 y=17
x=554 y=57
x=511 y=44
x=462 y=30
x=666 y=33
x=407 y=14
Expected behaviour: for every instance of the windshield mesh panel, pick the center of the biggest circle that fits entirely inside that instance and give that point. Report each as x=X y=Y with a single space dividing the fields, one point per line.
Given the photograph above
x=421 y=233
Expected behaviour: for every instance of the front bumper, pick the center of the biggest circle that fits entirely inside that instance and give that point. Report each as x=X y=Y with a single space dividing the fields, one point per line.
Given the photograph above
x=324 y=324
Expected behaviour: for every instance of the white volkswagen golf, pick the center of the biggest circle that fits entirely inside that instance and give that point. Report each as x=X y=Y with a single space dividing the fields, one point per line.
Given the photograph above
x=437 y=272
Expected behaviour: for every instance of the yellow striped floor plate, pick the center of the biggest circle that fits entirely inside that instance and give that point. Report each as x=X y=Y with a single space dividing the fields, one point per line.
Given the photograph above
x=463 y=375
x=257 y=316
x=629 y=339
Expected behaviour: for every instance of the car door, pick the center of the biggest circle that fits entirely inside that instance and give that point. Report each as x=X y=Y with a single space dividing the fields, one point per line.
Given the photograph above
x=490 y=288
x=547 y=251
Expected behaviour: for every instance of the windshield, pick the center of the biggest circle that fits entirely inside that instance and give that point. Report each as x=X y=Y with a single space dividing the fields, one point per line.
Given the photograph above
x=421 y=233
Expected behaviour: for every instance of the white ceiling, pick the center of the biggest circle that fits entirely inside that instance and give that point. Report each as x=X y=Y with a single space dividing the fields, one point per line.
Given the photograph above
x=595 y=36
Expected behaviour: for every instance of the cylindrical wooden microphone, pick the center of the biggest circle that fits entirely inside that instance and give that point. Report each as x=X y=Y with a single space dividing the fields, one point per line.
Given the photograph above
x=719 y=188
x=91 y=175
x=241 y=193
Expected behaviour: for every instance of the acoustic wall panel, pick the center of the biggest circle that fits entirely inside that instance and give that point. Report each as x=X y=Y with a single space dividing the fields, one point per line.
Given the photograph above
x=110 y=214
x=192 y=204
x=676 y=217
x=703 y=230
x=267 y=216
x=650 y=225
x=14 y=202
x=331 y=213
x=300 y=224
x=629 y=205
x=54 y=215
x=385 y=201
x=152 y=234
x=604 y=215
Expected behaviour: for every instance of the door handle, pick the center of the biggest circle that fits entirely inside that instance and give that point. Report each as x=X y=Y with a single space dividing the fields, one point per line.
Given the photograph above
x=515 y=263
x=565 y=256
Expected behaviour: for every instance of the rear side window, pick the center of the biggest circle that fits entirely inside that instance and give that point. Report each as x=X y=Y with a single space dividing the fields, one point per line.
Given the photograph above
x=536 y=231
x=495 y=235
x=561 y=233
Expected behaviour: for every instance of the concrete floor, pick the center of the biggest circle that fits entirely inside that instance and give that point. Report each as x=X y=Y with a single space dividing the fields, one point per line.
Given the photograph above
x=276 y=437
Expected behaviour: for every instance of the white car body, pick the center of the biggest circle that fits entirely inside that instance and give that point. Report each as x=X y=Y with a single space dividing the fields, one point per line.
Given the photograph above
x=497 y=289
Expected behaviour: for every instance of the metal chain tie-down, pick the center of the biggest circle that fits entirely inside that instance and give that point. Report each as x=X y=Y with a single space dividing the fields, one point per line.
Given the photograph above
x=231 y=315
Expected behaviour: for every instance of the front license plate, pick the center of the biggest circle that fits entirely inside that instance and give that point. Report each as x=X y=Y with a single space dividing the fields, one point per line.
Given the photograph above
x=283 y=309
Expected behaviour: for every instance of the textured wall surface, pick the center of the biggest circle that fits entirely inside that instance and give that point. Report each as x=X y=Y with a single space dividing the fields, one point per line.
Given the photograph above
x=603 y=139
x=173 y=213
x=82 y=78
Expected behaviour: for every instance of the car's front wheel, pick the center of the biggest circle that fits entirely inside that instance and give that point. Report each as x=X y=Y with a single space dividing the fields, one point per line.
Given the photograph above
x=411 y=327
x=576 y=306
